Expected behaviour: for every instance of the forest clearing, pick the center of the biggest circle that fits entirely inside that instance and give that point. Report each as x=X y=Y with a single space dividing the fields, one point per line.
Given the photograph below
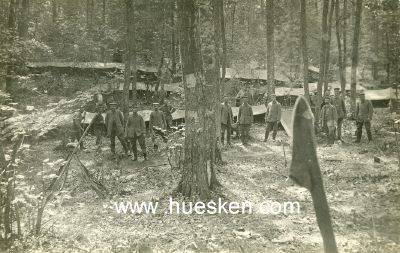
x=199 y=126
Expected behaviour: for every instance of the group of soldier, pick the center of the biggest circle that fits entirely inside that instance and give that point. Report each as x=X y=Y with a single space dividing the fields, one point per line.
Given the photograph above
x=133 y=130
x=130 y=131
x=331 y=117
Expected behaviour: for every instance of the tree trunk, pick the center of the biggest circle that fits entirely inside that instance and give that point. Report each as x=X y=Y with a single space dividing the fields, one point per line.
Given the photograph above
x=375 y=46
x=24 y=19
x=270 y=46
x=339 y=44
x=11 y=29
x=54 y=11
x=223 y=59
x=199 y=104
x=387 y=56
x=344 y=28
x=233 y=21
x=130 y=57
x=173 y=39
x=354 y=53
x=304 y=49
x=103 y=21
x=322 y=57
x=328 y=45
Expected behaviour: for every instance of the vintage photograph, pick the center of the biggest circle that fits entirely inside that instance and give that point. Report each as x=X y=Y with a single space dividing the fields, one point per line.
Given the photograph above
x=190 y=126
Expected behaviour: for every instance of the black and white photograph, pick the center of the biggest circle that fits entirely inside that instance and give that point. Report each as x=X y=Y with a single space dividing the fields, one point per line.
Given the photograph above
x=191 y=126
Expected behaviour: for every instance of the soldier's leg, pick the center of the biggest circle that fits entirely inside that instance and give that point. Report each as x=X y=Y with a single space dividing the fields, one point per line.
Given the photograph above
x=247 y=135
x=242 y=133
x=123 y=143
x=275 y=130
x=339 y=128
x=223 y=129
x=359 y=130
x=142 y=143
x=367 y=125
x=134 y=147
x=267 y=130
x=331 y=137
x=98 y=133
x=228 y=134
x=112 y=140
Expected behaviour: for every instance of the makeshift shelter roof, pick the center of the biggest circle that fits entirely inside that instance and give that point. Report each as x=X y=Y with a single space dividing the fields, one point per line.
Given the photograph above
x=172 y=87
x=253 y=74
x=383 y=94
x=314 y=69
x=88 y=65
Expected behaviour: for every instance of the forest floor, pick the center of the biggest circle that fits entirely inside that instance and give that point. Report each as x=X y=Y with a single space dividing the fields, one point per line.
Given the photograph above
x=364 y=199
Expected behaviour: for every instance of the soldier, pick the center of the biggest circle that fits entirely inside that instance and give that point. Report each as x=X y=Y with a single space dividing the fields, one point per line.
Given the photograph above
x=364 y=112
x=157 y=120
x=98 y=125
x=245 y=119
x=272 y=117
x=328 y=118
x=114 y=124
x=135 y=130
x=338 y=102
x=226 y=121
x=77 y=126
x=167 y=110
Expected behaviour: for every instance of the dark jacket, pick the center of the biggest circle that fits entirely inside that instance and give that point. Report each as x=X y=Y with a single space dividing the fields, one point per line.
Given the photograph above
x=226 y=115
x=328 y=115
x=115 y=119
x=274 y=111
x=245 y=115
x=364 y=111
x=134 y=125
x=338 y=102
x=157 y=119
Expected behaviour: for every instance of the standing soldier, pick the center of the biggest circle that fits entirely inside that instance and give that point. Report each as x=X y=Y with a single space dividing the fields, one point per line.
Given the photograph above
x=226 y=121
x=338 y=102
x=77 y=126
x=135 y=130
x=328 y=118
x=114 y=124
x=245 y=119
x=364 y=112
x=167 y=110
x=157 y=120
x=98 y=125
x=272 y=117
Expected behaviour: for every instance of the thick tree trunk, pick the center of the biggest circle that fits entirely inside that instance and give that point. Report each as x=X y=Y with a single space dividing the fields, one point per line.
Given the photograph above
x=304 y=49
x=328 y=45
x=233 y=21
x=339 y=44
x=354 y=54
x=199 y=106
x=24 y=19
x=270 y=46
x=322 y=57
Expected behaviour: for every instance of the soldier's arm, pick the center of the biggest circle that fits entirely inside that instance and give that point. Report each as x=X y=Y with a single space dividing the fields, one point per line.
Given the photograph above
x=151 y=122
x=240 y=112
x=335 y=115
x=251 y=113
x=266 y=113
x=371 y=110
x=357 y=109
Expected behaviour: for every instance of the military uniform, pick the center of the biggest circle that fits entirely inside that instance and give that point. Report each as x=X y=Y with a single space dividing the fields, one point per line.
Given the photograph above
x=135 y=130
x=114 y=124
x=77 y=127
x=272 y=118
x=338 y=102
x=245 y=119
x=98 y=127
x=157 y=119
x=364 y=112
x=226 y=123
x=328 y=118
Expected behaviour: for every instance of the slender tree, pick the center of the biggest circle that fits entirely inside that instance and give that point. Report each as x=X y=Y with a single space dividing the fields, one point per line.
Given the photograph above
x=223 y=38
x=54 y=10
x=322 y=56
x=344 y=29
x=354 y=53
x=130 y=57
x=303 y=44
x=24 y=19
x=11 y=38
x=339 y=44
x=270 y=46
x=328 y=45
